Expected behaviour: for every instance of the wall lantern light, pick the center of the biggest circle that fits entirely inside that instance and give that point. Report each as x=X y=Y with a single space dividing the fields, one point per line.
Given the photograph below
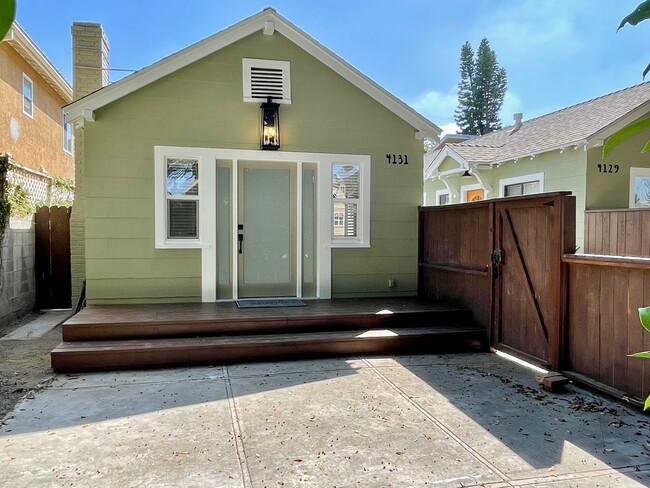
x=270 y=125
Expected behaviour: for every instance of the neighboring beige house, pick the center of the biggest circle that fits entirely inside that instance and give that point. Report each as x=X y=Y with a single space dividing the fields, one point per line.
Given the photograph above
x=560 y=151
x=37 y=147
x=183 y=200
x=32 y=95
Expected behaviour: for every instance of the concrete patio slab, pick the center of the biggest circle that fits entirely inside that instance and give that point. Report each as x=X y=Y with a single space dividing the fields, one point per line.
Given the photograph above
x=444 y=421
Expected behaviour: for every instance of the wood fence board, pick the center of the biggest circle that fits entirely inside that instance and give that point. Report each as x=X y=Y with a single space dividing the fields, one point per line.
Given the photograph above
x=618 y=345
x=606 y=325
x=635 y=333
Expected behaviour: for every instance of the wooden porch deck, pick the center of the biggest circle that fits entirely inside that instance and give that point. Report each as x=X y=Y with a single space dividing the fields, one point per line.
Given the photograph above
x=147 y=336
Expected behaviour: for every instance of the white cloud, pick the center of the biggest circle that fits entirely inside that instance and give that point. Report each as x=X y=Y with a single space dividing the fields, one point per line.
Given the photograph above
x=450 y=128
x=437 y=106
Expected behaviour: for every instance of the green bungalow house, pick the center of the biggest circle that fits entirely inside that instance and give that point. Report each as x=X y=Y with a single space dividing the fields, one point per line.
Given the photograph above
x=255 y=163
x=560 y=151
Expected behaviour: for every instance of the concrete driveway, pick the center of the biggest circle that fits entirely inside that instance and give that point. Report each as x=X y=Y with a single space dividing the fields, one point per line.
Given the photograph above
x=440 y=420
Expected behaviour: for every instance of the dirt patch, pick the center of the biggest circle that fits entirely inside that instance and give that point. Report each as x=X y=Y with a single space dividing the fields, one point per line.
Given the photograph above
x=24 y=365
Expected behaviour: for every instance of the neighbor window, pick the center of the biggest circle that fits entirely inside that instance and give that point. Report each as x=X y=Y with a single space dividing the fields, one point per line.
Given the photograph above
x=443 y=197
x=182 y=198
x=522 y=185
x=67 y=137
x=346 y=182
x=639 y=187
x=28 y=96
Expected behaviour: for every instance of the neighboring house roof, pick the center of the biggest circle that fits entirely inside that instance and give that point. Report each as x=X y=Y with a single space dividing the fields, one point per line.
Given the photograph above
x=586 y=124
x=30 y=52
x=268 y=21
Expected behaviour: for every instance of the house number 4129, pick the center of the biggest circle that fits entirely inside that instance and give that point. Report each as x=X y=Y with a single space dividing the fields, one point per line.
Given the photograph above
x=397 y=158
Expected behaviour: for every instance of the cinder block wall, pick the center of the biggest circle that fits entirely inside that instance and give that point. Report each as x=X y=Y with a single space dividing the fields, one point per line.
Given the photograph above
x=17 y=286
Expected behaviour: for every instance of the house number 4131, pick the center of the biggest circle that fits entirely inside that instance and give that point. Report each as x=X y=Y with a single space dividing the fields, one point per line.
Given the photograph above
x=397 y=158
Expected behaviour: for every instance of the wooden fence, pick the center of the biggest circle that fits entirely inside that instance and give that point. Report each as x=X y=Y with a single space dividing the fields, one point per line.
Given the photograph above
x=52 y=260
x=577 y=314
x=621 y=232
x=602 y=323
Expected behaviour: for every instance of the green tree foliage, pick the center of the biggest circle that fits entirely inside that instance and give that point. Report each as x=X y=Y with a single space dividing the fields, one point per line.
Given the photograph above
x=7 y=15
x=481 y=90
x=641 y=13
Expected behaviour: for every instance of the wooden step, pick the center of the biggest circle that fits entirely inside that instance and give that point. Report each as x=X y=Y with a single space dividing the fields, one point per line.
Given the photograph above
x=83 y=356
x=194 y=320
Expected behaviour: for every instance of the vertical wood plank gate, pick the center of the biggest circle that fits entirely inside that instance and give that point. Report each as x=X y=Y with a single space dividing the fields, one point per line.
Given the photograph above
x=52 y=257
x=515 y=267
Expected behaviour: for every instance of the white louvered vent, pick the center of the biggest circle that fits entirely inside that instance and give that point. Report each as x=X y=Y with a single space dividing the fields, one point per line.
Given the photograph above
x=264 y=78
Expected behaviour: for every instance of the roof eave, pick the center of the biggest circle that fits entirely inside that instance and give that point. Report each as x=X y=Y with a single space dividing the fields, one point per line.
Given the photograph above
x=233 y=34
x=28 y=50
x=599 y=137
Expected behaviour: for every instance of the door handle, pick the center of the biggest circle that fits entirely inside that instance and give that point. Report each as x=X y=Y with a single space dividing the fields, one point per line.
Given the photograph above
x=240 y=238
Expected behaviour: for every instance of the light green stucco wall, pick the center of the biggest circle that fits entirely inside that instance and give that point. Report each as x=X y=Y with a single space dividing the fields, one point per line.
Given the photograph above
x=607 y=190
x=201 y=105
x=562 y=172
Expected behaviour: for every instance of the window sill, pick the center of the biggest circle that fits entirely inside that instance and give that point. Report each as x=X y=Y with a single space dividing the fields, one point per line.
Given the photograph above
x=349 y=244
x=181 y=245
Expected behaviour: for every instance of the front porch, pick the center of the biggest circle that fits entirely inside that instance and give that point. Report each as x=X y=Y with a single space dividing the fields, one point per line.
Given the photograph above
x=162 y=335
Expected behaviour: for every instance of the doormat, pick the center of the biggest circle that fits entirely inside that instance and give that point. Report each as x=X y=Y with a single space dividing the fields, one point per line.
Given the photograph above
x=269 y=303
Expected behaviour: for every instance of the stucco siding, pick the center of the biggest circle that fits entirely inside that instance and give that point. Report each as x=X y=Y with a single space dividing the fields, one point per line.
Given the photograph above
x=35 y=142
x=202 y=105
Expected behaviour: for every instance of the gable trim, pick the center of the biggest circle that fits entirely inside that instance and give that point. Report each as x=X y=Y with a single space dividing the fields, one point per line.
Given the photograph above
x=233 y=34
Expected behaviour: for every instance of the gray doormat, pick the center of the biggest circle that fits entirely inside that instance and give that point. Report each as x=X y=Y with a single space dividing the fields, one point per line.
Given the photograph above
x=269 y=303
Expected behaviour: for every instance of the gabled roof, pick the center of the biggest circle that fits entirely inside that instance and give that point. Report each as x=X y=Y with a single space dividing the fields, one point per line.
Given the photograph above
x=268 y=21
x=586 y=124
x=18 y=39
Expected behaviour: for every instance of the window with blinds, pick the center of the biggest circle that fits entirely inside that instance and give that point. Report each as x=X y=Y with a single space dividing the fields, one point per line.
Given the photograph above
x=346 y=184
x=182 y=198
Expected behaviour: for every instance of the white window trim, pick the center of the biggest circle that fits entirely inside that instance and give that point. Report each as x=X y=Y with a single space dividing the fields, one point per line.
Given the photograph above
x=285 y=66
x=31 y=83
x=636 y=173
x=65 y=137
x=521 y=179
x=206 y=171
x=208 y=206
x=440 y=193
x=362 y=239
x=465 y=188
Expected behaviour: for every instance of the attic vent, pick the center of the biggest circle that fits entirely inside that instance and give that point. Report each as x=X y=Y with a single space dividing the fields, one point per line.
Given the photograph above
x=264 y=78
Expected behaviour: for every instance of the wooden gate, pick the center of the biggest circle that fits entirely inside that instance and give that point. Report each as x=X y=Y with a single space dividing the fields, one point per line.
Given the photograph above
x=502 y=258
x=52 y=260
x=528 y=285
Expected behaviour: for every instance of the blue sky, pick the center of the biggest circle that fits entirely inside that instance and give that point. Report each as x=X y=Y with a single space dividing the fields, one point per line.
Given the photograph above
x=556 y=52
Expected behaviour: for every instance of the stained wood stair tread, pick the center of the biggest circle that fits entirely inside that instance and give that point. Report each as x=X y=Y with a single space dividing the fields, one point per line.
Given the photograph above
x=129 y=354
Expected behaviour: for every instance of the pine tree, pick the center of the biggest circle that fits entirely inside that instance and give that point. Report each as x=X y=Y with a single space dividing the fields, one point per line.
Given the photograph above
x=481 y=90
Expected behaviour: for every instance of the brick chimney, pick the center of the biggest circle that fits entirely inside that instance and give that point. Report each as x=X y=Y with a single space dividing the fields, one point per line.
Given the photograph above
x=90 y=73
x=90 y=57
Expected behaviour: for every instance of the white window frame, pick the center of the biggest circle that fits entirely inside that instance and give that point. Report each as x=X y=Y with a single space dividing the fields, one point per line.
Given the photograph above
x=465 y=188
x=440 y=193
x=521 y=179
x=25 y=97
x=634 y=174
x=341 y=216
x=161 y=208
x=362 y=239
x=68 y=126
